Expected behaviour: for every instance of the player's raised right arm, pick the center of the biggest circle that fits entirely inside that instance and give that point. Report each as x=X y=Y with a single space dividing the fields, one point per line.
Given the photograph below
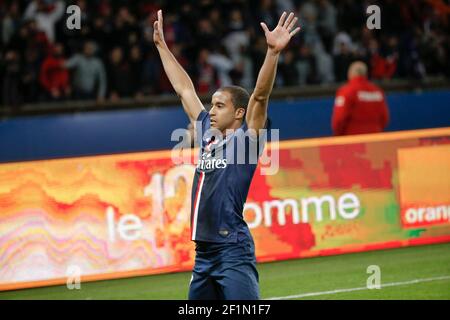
x=177 y=75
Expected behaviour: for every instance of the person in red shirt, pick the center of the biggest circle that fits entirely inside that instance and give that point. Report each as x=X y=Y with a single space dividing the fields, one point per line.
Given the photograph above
x=54 y=77
x=360 y=106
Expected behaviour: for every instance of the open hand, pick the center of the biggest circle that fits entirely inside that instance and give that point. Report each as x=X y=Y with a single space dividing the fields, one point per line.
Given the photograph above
x=158 y=33
x=278 y=38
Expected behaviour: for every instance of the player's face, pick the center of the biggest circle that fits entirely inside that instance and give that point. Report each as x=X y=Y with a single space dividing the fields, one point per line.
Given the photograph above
x=222 y=112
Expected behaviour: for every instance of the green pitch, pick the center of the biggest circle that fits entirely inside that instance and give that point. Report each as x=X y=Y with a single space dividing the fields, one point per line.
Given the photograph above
x=408 y=273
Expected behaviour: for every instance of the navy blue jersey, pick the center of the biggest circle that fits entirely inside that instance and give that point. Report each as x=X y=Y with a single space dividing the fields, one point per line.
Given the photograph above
x=222 y=180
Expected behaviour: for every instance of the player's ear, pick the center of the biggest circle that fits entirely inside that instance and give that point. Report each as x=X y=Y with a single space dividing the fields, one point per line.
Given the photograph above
x=239 y=113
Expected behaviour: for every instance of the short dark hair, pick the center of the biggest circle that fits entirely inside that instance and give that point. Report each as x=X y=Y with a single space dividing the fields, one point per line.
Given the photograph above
x=239 y=96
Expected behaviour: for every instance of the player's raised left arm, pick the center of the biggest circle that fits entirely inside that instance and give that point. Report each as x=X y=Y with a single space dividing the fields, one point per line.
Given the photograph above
x=277 y=40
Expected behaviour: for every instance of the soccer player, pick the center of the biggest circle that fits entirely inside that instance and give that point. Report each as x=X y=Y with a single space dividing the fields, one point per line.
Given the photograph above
x=225 y=263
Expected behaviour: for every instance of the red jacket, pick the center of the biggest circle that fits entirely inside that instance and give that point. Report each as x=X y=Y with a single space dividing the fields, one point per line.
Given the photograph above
x=53 y=74
x=382 y=68
x=360 y=107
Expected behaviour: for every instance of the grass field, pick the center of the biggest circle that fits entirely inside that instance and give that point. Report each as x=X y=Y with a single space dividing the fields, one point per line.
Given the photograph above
x=408 y=273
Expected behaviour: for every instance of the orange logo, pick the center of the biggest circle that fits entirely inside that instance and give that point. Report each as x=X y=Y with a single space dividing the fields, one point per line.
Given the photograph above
x=424 y=185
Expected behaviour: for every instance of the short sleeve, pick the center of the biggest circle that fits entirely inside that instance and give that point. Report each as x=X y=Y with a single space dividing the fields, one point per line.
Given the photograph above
x=202 y=124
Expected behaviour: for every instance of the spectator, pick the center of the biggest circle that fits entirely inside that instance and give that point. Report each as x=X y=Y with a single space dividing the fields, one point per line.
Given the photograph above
x=222 y=64
x=306 y=66
x=267 y=12
x=243 y=68
x=288 y=70
x=19 y=40
x=342 y=38
x=10 y=23
x=414 y=41
x=135 y=58
x=351 y=15
x=381 y=67
x=206 y=37
x=237 y=37
x=30 y=77
x=327 y=22
x=312 y=38
x=206 y=74
x=216 y=20
x=103 y=33
x=360 y=106
x=89 y=78
x=124 y=26
x=257 y=54
x=119 y=75
x=285 y=5
x=11 y=79
x=54 y=77
x=151 y=70
x=28 y=38
x=308 y=20
x=46 y=15
x=342 y=61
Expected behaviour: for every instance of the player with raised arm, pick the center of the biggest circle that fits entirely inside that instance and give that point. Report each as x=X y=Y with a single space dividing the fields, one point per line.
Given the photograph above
x=225 y=263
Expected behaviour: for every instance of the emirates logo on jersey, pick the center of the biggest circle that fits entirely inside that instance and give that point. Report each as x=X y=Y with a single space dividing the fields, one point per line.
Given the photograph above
x=208 y=163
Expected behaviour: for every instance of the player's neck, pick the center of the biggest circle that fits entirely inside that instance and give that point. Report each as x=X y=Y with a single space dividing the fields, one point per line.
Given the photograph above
x=233 y=127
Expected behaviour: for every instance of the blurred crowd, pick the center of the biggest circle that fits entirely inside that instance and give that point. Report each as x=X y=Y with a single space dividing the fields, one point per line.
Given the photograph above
x=218 y=43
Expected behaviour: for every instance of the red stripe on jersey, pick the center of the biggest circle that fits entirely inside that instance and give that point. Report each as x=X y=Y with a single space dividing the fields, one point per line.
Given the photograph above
x=196 y=204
